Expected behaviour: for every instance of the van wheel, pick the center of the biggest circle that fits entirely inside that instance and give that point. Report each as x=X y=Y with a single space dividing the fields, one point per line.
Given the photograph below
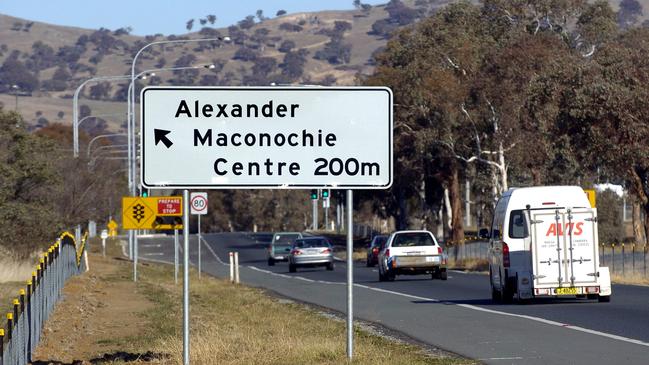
x=291 y=268
x=271 y=262
x=381 y=276
x=604 y=298
x=443 y=275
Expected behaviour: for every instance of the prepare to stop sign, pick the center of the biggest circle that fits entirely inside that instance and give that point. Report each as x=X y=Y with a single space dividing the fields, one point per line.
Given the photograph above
x=267 y=137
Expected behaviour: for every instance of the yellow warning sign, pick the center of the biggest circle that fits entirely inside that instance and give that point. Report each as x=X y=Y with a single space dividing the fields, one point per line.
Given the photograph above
x=150 y=212
x=112 y=228
x=591 y=197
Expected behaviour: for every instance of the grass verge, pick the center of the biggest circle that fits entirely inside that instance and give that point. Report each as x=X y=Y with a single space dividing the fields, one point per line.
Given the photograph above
x=230 y=324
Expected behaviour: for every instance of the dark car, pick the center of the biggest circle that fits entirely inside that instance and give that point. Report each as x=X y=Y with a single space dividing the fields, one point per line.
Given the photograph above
x=373 y=250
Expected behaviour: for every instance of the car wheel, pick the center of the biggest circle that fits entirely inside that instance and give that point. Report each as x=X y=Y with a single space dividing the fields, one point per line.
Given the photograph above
x=391 y=276
x=291 y=268
x=271 y=261
x=368 y=263
x=443 y=275
x=495 y=294
x=330 y=266
x=381 y=275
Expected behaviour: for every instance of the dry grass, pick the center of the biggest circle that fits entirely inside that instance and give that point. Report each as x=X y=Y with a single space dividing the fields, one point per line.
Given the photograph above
x=242 y=325
x=632 y=279
x=358 y=255
x=8 y=292
x=478 y=265
x=16 y=270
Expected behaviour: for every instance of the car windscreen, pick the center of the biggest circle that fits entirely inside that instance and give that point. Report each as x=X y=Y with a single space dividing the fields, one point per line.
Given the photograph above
x=311 y=243
x=285 y=239
x=412 y=240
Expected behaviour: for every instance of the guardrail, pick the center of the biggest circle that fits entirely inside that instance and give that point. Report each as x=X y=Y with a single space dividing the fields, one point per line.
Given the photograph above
x=36 y=301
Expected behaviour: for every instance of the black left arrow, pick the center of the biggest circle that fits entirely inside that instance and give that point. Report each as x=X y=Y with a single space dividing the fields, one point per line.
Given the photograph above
x=161 y=136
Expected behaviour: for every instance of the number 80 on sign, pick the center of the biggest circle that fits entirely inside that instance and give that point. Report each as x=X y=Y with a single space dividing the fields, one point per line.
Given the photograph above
x=198 y=203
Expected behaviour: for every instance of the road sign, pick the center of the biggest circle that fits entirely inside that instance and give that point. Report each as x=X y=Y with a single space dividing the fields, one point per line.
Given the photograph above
x=112 y=228
x=104 y=234
x=266 y=137
x=149 y=213
x=198 y=203
x=591 y=197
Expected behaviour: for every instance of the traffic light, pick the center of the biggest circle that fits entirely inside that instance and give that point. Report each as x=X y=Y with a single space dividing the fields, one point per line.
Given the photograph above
x=314 y=194
x=325 y=194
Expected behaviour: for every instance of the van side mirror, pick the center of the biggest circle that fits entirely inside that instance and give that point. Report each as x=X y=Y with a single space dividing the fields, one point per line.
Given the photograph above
x=483 y=233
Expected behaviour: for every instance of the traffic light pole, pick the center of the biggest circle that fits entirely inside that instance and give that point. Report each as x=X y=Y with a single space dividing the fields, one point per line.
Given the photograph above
x=314 y=225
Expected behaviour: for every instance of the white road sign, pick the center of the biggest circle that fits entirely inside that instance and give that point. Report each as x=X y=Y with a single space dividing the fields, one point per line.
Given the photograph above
x=266 y=137
x=198 y=203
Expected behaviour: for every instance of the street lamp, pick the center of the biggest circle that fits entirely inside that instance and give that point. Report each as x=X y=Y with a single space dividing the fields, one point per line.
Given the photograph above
x=186 y=230
x=104 y=136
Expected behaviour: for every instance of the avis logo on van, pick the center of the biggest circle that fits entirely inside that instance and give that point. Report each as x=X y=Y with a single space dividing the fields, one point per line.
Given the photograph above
x=576 y=229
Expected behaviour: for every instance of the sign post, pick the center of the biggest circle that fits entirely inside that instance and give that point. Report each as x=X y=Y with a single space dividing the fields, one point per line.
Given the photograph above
x=104 y=235
x=198 y=205
x=150 y=213
x=266 y=138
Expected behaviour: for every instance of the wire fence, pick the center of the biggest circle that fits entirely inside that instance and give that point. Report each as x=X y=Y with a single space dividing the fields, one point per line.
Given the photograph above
x=36 y=301
x=622 y=259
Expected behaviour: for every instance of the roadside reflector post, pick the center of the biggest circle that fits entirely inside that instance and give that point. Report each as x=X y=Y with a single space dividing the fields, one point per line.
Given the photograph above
x=236 y=268
x=231 y=266
x=199 y=247
x=176 y=256
x=186 y=277
x=350 y=274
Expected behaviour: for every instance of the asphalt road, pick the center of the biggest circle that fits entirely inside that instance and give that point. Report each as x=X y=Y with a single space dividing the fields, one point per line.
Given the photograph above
x=456 y=315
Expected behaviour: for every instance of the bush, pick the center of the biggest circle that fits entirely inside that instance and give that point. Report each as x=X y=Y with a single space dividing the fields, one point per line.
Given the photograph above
x=286 y=46
x=288 y=27
x=245 y=54
x=335 y=52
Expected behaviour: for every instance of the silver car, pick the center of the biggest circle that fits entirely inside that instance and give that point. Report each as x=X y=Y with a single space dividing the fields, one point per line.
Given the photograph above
x=311 y=251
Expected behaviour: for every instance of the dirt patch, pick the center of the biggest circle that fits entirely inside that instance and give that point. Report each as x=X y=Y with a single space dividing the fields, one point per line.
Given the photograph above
x=99 y=312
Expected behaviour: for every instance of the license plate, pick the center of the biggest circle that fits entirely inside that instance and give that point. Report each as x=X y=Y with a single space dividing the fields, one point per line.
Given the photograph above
x=566 y=291
x=432 y=259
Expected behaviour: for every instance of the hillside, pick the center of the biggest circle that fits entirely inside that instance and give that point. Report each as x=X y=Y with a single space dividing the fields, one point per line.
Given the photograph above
x=282 y=49
x=328 y=47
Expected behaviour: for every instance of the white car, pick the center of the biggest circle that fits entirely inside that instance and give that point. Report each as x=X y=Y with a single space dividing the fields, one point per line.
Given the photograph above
x=412 y=253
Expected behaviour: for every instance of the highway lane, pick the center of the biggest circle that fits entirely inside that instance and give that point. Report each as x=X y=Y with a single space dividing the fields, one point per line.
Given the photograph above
x=455 y=315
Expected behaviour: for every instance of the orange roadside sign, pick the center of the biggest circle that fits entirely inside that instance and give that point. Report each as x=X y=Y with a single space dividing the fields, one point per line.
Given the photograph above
x=148 y=213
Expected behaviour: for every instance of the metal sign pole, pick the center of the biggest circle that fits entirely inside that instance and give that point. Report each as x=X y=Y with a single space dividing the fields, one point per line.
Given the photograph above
x=350 y=275
x=135 y=256
x=186 y=277
x=176 y=256
x=199 y=246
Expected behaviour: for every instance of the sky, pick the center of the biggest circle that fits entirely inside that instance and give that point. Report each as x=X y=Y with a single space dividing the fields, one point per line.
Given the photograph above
x=148 y=17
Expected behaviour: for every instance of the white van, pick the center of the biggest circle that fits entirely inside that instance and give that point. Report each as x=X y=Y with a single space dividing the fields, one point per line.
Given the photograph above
x=543 y=242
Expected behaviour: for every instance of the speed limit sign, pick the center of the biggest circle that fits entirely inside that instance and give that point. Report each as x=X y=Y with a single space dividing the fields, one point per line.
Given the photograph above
x=198 y=203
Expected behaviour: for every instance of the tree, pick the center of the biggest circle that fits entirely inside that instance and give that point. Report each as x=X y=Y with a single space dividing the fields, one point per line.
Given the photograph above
x=211 y=18
x=202 y=21
x=14 y=72
x=247 y=22
x=189 y=25
x=260 y=15
x=293 y=64
x=286 y=46
x=629 y=12
x=100 y=91
x=60 y=114
x=280 y=12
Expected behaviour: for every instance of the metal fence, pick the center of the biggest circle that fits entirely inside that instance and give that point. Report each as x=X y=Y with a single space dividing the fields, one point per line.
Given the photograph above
x=36 y=301
x=622 y=259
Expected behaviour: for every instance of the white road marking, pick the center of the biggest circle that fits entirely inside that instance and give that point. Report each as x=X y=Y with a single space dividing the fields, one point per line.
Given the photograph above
x=154 y=254
x=152 y=245
x=502 y=358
